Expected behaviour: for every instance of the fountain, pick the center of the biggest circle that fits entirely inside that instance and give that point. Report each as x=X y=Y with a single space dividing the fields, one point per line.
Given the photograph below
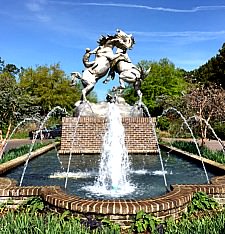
x=113 y=177
x=124 y=138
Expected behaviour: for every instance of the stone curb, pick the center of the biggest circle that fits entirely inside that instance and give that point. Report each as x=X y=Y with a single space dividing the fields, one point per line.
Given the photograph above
x=209 y=162
x=5 y=167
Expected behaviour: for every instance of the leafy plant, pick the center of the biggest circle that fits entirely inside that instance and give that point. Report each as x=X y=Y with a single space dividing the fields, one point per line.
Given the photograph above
x=113 y=227
x=33 y=204
x=201 y=202
x=145 y=222
x=213 y=223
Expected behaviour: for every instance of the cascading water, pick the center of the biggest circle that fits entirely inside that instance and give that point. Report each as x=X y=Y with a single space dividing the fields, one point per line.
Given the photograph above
x=57 y=108
x=193 y=137
x=113 y=178
x=83 y=105
x=14 y=130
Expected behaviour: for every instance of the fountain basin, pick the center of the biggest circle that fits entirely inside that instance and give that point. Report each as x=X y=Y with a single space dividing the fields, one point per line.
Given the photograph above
x=146 y=175
x=120 y=210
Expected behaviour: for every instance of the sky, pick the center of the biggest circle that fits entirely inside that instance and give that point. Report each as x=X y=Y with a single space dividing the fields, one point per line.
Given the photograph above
x=45 y=32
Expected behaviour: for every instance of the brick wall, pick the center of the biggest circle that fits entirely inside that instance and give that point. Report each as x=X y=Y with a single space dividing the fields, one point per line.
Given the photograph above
x=86 y=135
x=121 y=211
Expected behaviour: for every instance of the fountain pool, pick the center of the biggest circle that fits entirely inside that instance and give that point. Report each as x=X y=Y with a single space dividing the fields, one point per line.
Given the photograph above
x=145 y=176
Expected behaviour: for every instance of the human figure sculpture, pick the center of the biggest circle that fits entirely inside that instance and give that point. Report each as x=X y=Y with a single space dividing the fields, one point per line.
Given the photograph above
x=126 y=70
x=128 y=73
x=86 y=58
x=106 y=61
x=98 y=68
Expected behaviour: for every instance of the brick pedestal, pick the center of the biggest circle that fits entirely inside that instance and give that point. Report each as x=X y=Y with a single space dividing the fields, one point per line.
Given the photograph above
x=85 y=135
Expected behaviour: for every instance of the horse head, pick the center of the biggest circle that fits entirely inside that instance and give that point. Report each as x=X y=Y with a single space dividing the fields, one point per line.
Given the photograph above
x=126 y=40
x=120 y=40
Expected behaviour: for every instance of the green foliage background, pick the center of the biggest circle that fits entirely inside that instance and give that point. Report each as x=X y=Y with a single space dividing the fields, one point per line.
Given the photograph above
x=26 y=92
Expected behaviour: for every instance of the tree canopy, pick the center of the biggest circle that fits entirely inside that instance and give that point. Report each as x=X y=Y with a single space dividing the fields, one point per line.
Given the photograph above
x=13 y=105
x=213 y=71
x=164 y=81
x=49 y=86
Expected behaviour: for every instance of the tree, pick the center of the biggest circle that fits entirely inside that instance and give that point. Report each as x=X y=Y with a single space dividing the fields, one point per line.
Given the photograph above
x=213 y=71
x=50 y=87
x=206 y=103
x=164 y=81
x=14 y=106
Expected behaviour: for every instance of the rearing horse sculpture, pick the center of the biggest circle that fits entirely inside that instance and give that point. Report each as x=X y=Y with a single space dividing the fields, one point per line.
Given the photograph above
x=106 y=61
x=126 y=70
x=98 y=68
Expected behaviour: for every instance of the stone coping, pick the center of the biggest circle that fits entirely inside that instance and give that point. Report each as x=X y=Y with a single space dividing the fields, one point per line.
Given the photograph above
x=170 y=204
x=194 y=157
x=87 y=151
x=94 y=119
x=7 y=166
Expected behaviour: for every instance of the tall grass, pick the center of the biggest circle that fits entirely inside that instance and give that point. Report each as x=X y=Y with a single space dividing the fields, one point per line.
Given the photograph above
x=211 y=224
x=50 y=223
x=38 y=224
x=14 y=153
x=190 y=147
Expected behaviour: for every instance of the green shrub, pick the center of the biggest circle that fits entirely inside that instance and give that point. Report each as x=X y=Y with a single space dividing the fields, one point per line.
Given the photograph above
x=201 y=202
x=163 y=123
x=14 y=153
x=219 y=128
x=33 y=204
x=186 y=146
x=217 y=156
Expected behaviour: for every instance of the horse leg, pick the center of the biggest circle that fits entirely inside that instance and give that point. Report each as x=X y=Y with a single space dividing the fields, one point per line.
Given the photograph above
x=122 y=83
x=110 y=76
x=137 y=86
x=139 y=93
x=86 y=91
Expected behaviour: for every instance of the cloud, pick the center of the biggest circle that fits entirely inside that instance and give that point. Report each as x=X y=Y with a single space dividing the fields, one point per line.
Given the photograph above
x=123 y=5
x=35 y=5
x=43 y=18
x=183 y=37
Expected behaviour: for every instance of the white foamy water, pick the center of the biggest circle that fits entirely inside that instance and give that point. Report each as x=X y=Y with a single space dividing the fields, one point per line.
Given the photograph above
x=145 y=172
x=113 y=192
x=159 y=172
x=72 y=175
x=113 y=178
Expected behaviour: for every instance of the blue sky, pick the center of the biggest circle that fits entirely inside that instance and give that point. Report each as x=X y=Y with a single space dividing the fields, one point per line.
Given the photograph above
x=44 y=32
